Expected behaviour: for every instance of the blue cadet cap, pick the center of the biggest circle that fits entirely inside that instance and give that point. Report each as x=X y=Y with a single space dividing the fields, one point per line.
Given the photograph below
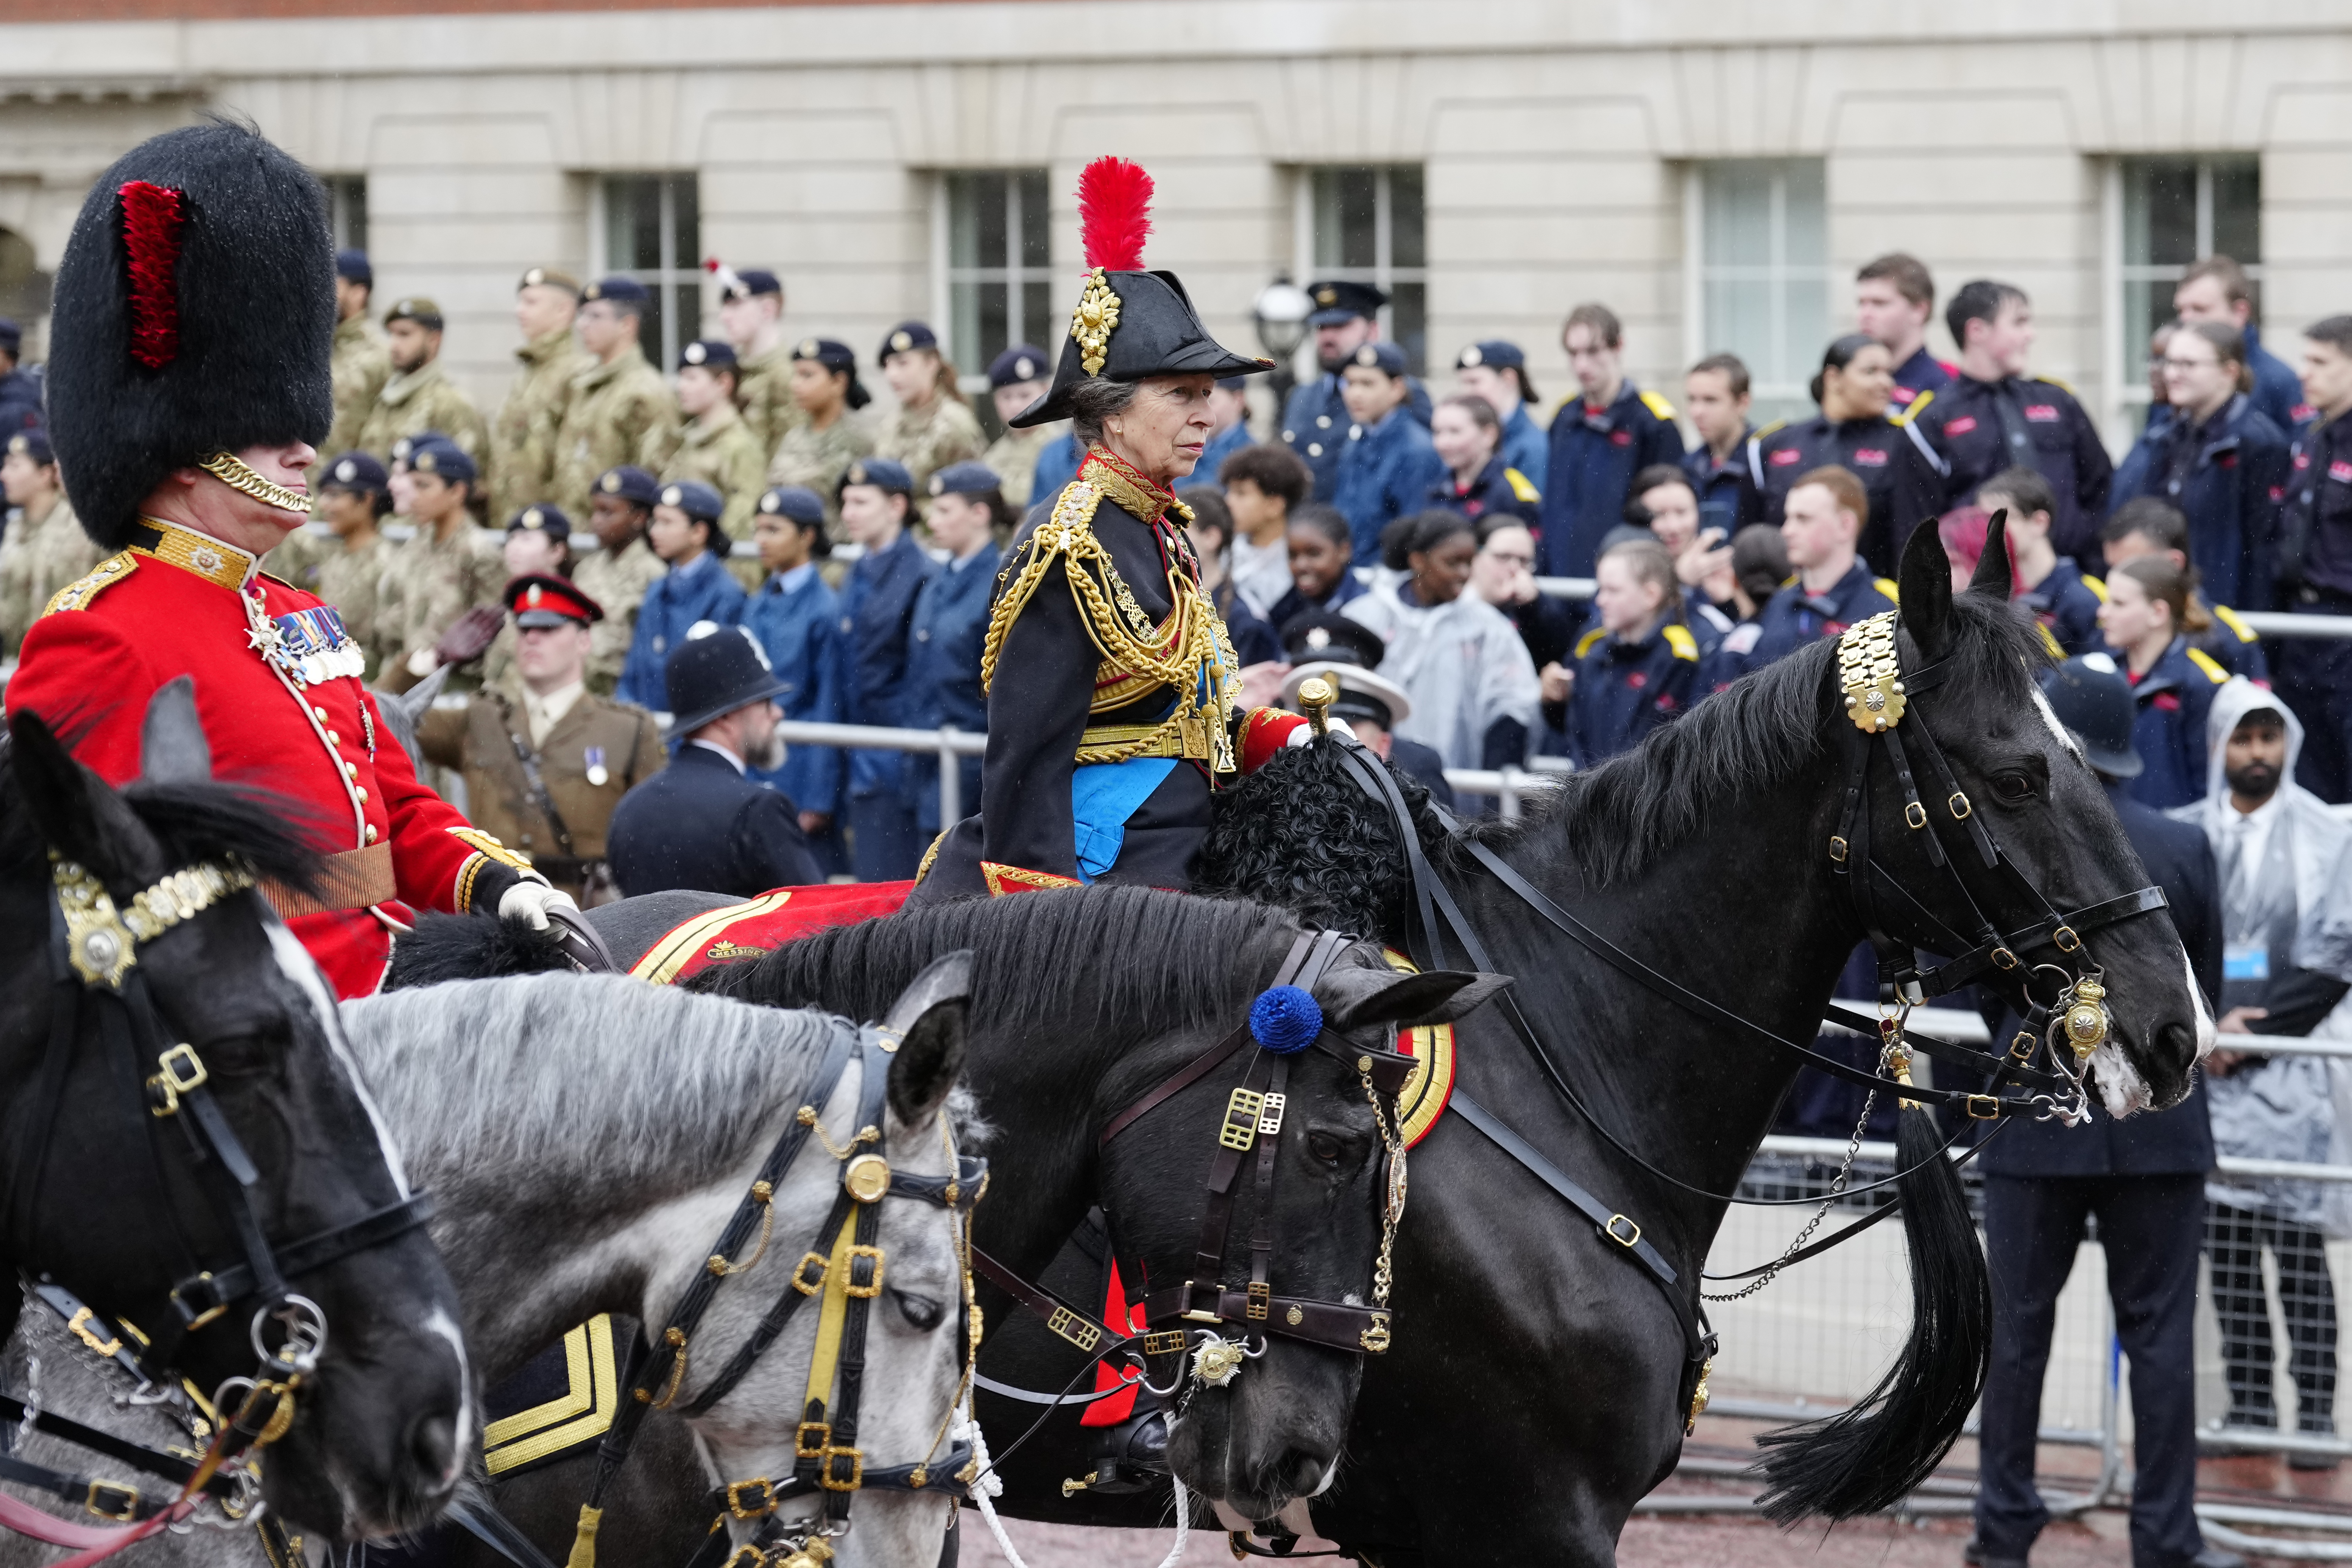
x=624 y=290
x=1021 y=362
x=549 y=520
x=12 y=337
x=631 y=482
x=351 y=267
x=1386 y=357
x=965 y=479
x=797 y=502
x=1494 y=352
x=751 y=282
x=695 y=498
x=905 y=337
x=1342 y=299
x=2092 y=698
x=357 y=471
x=1285 y=1019
x=443 y=459
x=707 y=351
x=833 y=356
x=883 y=473
x=33 y=444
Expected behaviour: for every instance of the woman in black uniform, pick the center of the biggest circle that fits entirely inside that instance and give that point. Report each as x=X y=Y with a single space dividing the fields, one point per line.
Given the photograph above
x=1855 y=431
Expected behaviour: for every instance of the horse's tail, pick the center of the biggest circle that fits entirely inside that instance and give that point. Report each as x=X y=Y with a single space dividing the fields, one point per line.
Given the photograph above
x=1869 y=1456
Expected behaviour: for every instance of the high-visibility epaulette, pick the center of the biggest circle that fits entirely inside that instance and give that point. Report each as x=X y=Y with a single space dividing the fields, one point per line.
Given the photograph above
x=1521 y=485
x=2096 y=585
x=2234 y=622
x=1680 y=640
x=2210 y=665
x=2050 y=642
x=1657 y=405
x=1917 y=405
x=1886 y=586
x=1584 y=643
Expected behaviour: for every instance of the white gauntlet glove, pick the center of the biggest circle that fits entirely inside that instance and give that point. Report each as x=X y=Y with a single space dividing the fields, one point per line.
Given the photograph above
x=532 y=901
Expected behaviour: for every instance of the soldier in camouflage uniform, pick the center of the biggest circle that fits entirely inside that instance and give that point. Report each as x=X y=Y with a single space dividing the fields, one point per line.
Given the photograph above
x=420 y=396
x=816 y=453
x=934 y=426
x=619 y=570
x=618 y=403
x=1016 y=378
x=750 y=308
x=716 y=446
x=441 y=572
x=361 y=363
x=522 y=436
x=45 y=547
x=344 y=564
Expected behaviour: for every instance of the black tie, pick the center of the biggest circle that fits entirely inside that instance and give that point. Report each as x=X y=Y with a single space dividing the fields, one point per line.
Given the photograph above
x=2013 y=423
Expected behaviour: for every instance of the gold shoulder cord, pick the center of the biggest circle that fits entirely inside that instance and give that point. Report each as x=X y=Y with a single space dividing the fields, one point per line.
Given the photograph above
x=1869 y=672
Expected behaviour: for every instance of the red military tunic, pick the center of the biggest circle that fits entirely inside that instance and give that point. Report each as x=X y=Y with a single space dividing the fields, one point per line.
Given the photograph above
x=300 y=725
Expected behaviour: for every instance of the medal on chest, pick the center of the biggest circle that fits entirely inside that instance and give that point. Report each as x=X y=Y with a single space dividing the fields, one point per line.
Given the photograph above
x=598 y=774
x=307 y=646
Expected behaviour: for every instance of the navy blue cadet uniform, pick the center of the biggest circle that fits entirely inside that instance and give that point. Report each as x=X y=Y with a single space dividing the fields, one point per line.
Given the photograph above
x=1594 y=455
x=2066 y=604
x=2314 y=673
x=1500 y=490
x=1727 y=495
x=797 y=621
x=2173 y=698
x=943 y=663
x=1792 y=618
x=1976 y=429
x=1523 y=446
x=2278 y=391
x=2145 y=1180
x=2229 y=475
x=1922 y=372
x=1315 y=418
x=20 y=390
x=1221 y=446
x=877 y=613
x=701 y=590
x=1897 y=471
x=1383 y=471
x=1625 y=689
x=1057 y=465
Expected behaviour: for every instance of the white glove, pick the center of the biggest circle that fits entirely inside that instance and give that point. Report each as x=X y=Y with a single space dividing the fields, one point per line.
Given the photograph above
x=1305 y=734
x=532 y=900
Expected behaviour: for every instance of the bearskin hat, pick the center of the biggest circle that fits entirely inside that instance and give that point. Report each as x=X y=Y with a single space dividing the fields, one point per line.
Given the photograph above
x=195 y=313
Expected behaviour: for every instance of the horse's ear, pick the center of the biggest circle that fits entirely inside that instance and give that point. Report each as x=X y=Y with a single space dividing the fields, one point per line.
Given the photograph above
x=1992 y=575
x=171 y=745
x=61 y=796
x=931 y=1018
x=1925 y=581
x=1360 y=998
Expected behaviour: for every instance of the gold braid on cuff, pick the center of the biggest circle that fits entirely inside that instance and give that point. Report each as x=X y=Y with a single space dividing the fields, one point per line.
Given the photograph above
x=237 y=474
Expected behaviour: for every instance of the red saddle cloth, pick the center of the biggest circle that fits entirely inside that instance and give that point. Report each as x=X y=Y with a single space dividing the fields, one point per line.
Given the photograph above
x=760 y=924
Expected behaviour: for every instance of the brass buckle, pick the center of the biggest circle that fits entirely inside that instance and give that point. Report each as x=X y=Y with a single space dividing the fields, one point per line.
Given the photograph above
x=1916 y=814
x=1261 y=1297
x=1837 y=848
x=2021 y=1049
x=2003 y=957
x=802 y=1449
x=1164 y=1341
x=1376 y=1338
x=2065 y=938
x=127 y=1510
x=1992 y=1107
x=80 y=1327
x=873 y=1287
x=831 y=1482
x=1242 y=1112
x=804 y=1283
x=182 y=1072
x=1610 y=1230
x=736 y=1506
x=1959 y=805
x=1269 y=1121
x=1067 y=1325
x=1192 y=1314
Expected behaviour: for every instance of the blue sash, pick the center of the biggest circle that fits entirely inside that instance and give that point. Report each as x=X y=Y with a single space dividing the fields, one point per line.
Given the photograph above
x=1103 y=796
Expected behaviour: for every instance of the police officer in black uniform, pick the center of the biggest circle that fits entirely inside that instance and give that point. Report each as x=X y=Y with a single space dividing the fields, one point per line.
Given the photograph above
x=1314 y=421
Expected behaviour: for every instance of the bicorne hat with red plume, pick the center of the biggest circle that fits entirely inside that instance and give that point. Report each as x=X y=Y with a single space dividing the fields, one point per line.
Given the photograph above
x=1130 y=323
x=193 y=316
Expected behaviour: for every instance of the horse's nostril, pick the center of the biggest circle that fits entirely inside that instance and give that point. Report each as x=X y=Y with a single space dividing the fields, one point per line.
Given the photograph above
x=1301 y=1471
x=433 y=1446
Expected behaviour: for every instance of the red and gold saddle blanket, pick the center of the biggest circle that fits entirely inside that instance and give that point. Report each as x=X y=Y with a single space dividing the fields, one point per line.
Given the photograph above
x=761 y=924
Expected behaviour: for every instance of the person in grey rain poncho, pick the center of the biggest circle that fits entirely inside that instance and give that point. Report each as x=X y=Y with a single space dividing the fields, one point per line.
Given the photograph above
x=2287 y=905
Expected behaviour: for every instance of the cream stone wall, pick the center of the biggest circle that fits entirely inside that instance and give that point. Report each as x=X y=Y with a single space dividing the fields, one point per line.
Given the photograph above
x=1557 y=136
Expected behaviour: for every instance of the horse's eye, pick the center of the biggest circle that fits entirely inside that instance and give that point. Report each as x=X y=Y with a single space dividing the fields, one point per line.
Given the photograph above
x=923 y=1312
x=2014 y=788
x=1324 y=1147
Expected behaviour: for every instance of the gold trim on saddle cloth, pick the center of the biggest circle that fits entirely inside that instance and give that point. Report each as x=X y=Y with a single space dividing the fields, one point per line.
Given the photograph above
x=665 y=957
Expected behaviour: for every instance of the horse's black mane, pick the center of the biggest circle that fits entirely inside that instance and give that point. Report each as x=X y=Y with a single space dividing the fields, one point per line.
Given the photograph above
x=1096 y=956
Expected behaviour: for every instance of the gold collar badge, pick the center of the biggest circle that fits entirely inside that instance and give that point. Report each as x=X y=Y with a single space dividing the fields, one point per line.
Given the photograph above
x=1092 y=322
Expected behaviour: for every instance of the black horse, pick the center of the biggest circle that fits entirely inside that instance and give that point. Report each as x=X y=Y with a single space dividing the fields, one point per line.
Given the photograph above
x=108 y=1186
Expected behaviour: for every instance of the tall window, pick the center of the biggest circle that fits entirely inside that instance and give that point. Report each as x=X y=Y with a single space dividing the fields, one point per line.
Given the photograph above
x=347 y=210
x=652 y=231
x=2175 y=211
x=1365 y=222
x=999 y=288
x=1764 y=275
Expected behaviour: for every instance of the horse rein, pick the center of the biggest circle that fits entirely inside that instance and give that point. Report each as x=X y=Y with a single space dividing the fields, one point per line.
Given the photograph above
x=843 y=1271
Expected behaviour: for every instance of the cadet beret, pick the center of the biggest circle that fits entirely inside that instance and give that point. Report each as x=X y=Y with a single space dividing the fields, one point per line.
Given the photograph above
x=351 y=267
x=549 y=520
x=445 y=460
x=33 y=444
x=356 y=471
x=1017 y=364
x=707 y=351
x=12 y=337
x=1342 y=299
x=965 y=479
x=539 y=599
x=1232 y=383
x=548 y=278
x=695 y=498
x=798 y=502
x=631 y=482
x=1331 y=637
x=1386 y=358
x=905 y=339
x=833 y=356
x=1494 y=353
x=619 y=290
x=752 y=282
x=414 y=308
x=882 y=472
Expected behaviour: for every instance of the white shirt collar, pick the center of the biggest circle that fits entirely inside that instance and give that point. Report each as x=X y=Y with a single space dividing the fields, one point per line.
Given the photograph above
x=790 y=581
x=732 y=761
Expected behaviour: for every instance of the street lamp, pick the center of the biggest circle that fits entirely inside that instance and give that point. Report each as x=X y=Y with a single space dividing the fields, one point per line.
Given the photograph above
x=1281 y=313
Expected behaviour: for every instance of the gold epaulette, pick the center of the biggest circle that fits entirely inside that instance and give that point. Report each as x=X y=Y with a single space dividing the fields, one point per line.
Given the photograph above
x=77 y=594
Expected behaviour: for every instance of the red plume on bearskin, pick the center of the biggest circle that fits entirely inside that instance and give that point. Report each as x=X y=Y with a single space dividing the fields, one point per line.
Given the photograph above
x=151 y=216
x=1114 y=214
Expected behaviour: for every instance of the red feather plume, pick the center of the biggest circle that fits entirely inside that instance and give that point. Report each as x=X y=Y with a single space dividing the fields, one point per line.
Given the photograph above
x=152 y=219
x=1114 y=214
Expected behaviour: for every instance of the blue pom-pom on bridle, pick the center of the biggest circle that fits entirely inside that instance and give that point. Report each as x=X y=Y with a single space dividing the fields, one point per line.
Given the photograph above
x=1285 y=1019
